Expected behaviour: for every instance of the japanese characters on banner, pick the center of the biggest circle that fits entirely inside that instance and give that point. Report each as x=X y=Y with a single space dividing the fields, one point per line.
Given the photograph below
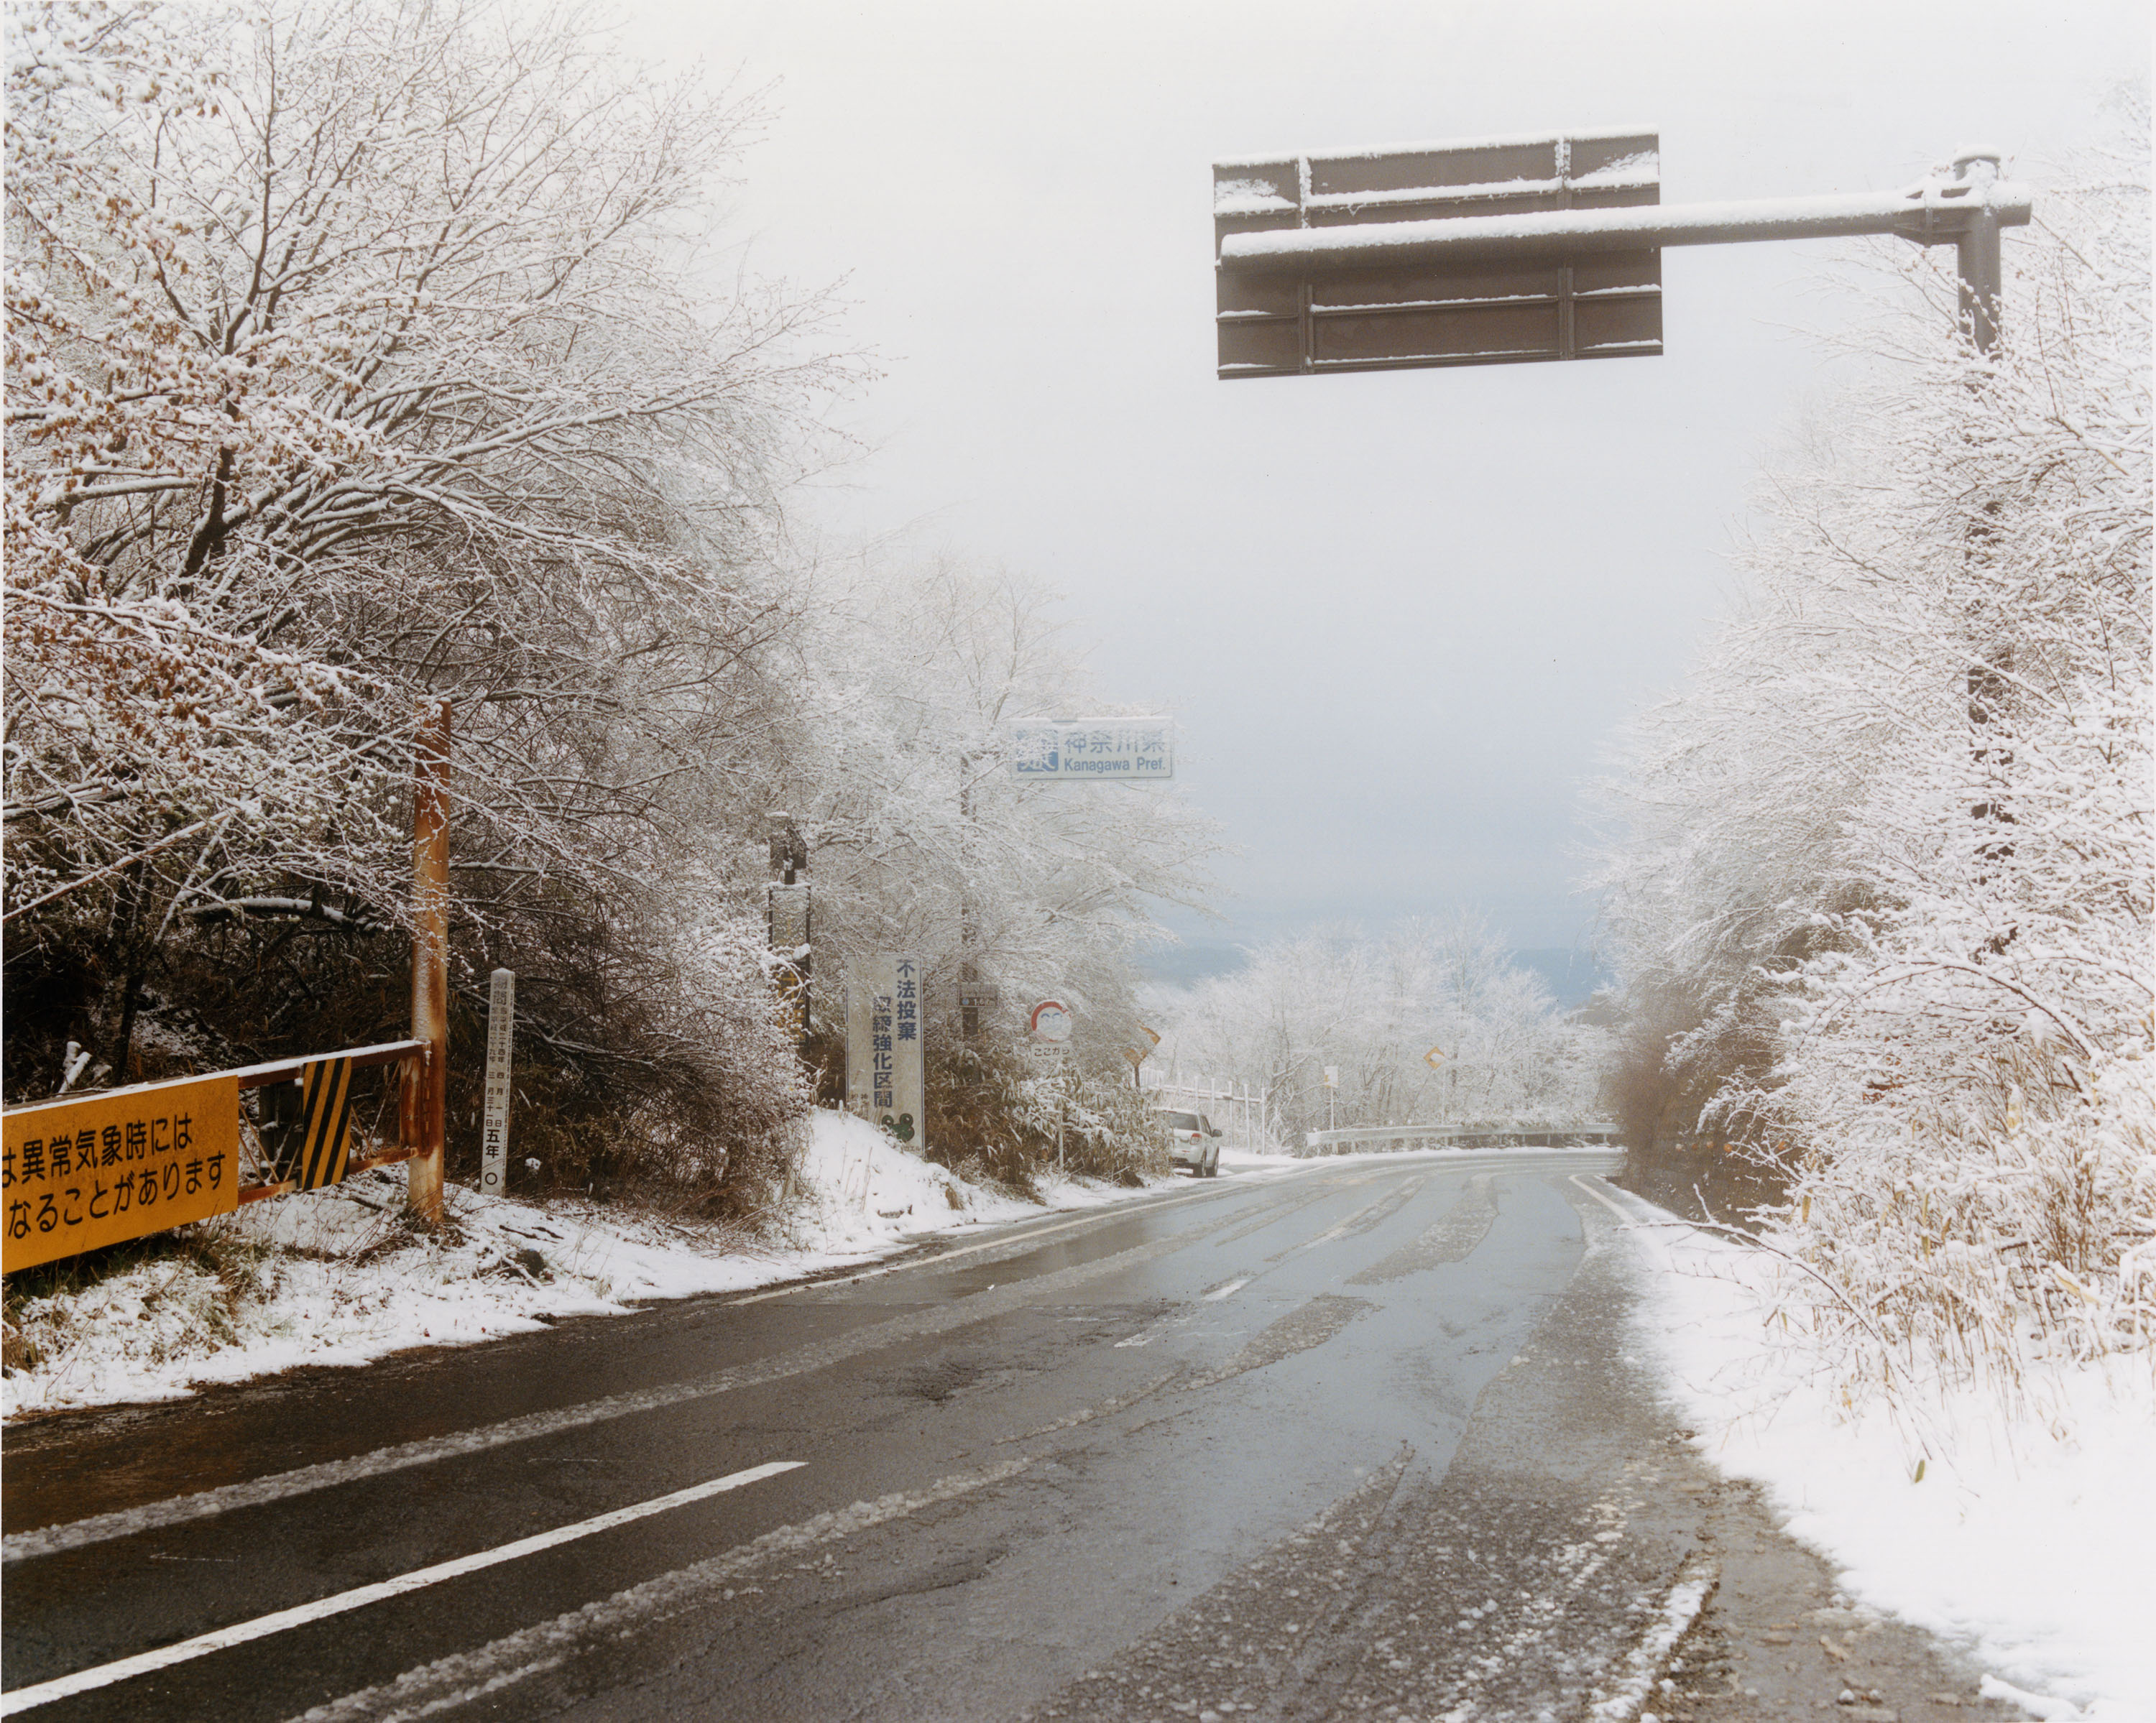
x=82 y=1173
x=501 y=1033
x=893 y=1034
x=1133 y=750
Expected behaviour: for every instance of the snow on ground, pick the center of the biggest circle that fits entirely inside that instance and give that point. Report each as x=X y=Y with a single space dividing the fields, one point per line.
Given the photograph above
x=2030 y=1538
x=334 y=1278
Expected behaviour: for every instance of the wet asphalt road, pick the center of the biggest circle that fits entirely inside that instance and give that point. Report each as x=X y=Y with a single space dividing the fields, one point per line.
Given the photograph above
x=1354 y=1440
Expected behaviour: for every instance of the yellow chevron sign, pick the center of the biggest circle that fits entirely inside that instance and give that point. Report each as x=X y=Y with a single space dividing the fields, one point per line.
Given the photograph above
x=82 y=1173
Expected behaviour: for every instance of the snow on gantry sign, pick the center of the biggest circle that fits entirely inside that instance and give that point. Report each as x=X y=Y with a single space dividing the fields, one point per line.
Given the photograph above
x=1127 y=749
x=1281 y=314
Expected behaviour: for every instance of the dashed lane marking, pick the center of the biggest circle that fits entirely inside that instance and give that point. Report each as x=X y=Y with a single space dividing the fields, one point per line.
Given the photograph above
x=1227 y=1287
x=23 y=1699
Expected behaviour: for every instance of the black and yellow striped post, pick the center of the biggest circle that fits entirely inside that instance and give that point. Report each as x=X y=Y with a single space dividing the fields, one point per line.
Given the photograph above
x=326 y=1143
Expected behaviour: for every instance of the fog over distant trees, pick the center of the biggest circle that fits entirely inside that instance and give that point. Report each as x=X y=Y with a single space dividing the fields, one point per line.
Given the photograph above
x=1374 y=1008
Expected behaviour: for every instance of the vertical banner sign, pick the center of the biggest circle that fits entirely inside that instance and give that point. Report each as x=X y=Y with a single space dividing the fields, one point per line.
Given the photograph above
x=908 y=1088
x=82 y=1173
x=894 y=1065
x=883 y=990
x=860 y=1001
x=494 y=1131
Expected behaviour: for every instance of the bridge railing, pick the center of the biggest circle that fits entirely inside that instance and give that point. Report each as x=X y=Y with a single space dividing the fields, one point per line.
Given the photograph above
x=1366 y=1138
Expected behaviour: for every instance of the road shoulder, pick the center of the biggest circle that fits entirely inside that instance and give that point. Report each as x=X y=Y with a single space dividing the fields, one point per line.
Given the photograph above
x=1575 y=1559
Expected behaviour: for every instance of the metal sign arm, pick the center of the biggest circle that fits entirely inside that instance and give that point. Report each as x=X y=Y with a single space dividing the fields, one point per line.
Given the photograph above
x=1966 y=211
x=1930 y=215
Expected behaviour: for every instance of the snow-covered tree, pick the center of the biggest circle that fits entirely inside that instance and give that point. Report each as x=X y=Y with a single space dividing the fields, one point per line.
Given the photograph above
x=1893 y=845
x=365 y=352
x=899 y=769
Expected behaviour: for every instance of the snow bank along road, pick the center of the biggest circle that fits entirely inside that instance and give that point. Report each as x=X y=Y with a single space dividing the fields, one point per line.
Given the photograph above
x=1214 y=1452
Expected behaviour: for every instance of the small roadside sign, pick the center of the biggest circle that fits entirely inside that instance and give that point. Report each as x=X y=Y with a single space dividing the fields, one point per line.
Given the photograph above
x=500 y=1032
x=1049 y=1022
x=1435 y=1057
x=896 y=1089
x=1332 y=1076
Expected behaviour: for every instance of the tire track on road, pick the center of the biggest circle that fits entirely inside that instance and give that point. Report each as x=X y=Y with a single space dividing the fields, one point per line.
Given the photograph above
x=1452 y=1240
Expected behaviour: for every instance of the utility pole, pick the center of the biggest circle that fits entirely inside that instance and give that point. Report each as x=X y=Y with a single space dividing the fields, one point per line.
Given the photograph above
x=786 y=918
x=969 y=968
x=423 y=1099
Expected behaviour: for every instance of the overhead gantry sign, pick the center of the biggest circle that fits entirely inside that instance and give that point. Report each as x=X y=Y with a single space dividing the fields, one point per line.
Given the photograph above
x=1495 y=251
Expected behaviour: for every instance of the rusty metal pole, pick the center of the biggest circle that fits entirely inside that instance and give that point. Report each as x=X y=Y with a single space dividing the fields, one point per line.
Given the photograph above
x=426 y=1086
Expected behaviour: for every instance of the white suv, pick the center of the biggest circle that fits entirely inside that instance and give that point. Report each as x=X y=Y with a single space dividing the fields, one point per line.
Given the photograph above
x=1190 y=1141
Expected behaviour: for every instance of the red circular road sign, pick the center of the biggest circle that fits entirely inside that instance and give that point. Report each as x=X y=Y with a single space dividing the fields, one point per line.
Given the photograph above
x=1050 y=1021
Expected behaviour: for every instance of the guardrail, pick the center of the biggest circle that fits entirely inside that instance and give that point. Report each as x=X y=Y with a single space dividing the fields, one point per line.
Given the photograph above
x=97 y=1169
x=1402 y=1137
x=279 y=1070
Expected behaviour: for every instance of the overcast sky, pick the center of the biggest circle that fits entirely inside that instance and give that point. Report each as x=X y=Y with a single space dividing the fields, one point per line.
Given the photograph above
x=1400 y=616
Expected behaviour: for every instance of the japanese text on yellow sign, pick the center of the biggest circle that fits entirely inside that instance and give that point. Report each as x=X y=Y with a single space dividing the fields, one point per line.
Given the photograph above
x=82 y=1173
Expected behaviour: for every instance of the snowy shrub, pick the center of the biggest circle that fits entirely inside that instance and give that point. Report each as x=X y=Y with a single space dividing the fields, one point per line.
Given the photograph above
x=993 y=1114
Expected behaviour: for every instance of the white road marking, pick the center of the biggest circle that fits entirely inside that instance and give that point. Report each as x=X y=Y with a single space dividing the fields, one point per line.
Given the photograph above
x=165 y=1656
x=1629 y=1219
x=450 y=1681
x=1003 y=1243
x=255 y=1492
x=1224 y=1289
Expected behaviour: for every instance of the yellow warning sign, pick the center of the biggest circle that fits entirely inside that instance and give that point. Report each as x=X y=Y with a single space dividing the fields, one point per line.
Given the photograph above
x=82 y=1173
